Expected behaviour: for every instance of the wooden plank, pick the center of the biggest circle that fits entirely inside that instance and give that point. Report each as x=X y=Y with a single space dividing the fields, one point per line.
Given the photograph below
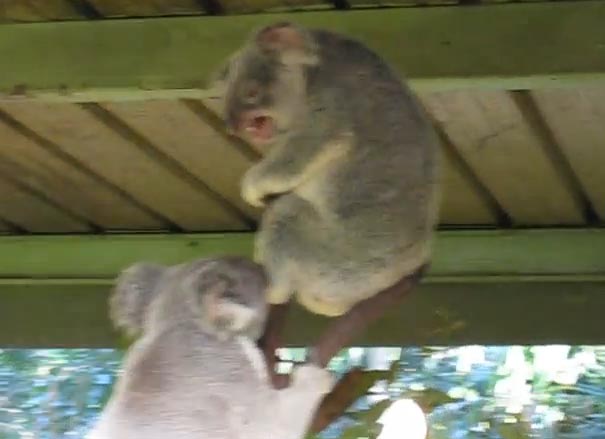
x=495 y=287
x=44 y=168
x=399 y=3
x=137 y=8
x=37 y=10
x=145 y=8
x=521 y=46
x=576 y=119
x=202 y=150
x=257 y=6
x=506 y=154
x=461 y=204
x=33 y=214
x=75 y=316
x=518 y=254
x=128 y=163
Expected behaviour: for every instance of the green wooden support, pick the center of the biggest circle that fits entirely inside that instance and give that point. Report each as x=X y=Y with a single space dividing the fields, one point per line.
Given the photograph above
x=499 y=254
x=508 y=46
x=492 y=287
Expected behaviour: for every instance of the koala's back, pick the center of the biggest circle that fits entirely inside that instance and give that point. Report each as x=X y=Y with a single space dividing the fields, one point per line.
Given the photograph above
x=365 y=221
x=394 y=145
x=180 y=384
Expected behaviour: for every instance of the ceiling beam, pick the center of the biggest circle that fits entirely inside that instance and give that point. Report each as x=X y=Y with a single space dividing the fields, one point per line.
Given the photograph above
x=489 y=287
x=507 y=46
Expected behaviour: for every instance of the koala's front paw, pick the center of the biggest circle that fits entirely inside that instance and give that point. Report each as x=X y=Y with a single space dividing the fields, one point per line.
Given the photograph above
x=312 y=377
x=252 y=190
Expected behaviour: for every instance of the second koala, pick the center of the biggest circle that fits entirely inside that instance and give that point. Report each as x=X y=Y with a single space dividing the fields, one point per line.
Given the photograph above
x=350 y=178
x=195 y=371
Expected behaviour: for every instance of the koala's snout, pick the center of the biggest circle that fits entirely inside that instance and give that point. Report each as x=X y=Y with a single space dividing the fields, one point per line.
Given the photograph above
x=238 y=121
x=254 y=125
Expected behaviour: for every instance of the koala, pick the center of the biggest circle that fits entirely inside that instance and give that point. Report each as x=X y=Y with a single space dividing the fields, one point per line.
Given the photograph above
x=194 y=370
x=349 y=180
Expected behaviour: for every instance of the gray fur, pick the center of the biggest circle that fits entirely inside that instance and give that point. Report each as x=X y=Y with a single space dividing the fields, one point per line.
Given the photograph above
x=350 y=178
x=196 y=371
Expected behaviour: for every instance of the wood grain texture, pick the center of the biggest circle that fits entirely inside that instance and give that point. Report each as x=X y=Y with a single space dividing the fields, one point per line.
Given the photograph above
x=176 y=130
x=124 y=163
x=33 y=214
x=460 y=204
x=521 y=45
x=577 y=121
x=145 y=8
x=44 y=169
x=460 y=201
x=36 y=10
x=505 y=153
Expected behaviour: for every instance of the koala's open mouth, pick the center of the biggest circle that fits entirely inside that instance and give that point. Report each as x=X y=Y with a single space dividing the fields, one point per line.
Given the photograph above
x=258 y=127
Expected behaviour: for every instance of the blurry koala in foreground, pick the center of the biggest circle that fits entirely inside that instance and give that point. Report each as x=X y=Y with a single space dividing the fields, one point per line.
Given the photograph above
x=195 y=371
x=349 y=181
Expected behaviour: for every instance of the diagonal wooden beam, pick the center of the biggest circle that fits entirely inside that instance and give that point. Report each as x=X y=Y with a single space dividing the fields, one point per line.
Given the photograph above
x=508 y=46
x=499 y=287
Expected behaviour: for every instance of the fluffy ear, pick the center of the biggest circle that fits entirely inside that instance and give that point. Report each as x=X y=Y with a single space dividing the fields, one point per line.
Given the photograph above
x=217 y=85
x=134 y=290
x=219 y=76
x=291 y=43
x=226 y=311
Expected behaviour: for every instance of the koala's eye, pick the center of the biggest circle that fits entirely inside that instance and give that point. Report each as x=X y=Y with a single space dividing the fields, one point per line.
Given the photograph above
x=234 y=297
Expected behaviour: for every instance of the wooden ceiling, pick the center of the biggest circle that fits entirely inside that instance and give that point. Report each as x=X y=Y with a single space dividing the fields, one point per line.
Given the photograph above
x=106 y=128
x=513 y=156
x=18 y=11
x=510 y=158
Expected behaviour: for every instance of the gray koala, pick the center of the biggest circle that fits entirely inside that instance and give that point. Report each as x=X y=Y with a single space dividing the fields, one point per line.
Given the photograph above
x=195 y=371
x=349 y=182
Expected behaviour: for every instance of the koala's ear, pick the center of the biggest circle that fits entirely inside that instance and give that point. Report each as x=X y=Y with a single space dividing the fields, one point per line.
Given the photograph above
x=225 y=314
x=292 y=44
x=219 y=76
x=135 y=288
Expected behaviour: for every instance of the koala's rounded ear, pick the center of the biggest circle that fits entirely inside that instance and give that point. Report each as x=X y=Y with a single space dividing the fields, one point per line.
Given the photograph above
x=219 y=76
x=227 y=307
x=134 y=290
x=291 y=43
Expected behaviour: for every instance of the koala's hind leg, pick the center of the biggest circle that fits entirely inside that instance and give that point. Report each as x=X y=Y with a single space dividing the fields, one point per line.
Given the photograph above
x=270 y=342
x=277 y=246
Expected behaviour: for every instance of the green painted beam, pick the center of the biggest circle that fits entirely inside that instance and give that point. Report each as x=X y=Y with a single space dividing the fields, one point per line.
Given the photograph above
x=523 y=286
x=509 y=254
x=509 y=46
x=38 y=316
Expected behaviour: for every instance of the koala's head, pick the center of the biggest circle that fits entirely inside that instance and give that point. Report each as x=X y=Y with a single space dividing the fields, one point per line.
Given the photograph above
x=265 y=85
x=226 y=296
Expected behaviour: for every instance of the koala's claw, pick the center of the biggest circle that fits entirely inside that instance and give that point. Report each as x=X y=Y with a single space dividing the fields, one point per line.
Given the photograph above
x=252 y=197
x=251 y=192
x=313 y=377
